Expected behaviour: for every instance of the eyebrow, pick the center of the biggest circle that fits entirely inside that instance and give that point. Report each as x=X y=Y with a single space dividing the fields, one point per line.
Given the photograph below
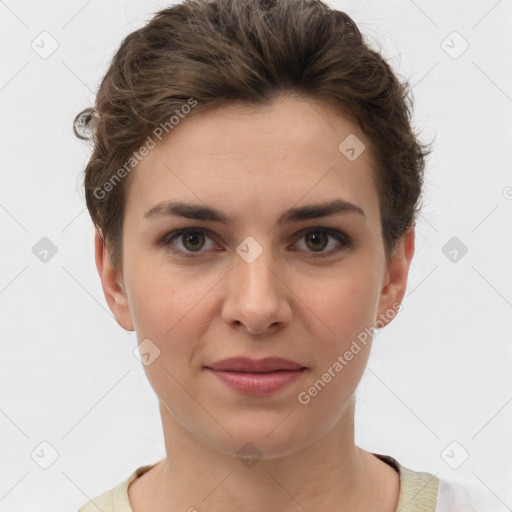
x=296 y=214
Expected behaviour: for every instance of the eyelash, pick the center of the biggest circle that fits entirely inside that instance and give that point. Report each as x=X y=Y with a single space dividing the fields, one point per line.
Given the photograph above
x=338 y=235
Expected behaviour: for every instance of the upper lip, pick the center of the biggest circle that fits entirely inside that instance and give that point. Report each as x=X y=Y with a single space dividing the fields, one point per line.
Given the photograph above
x=245 y=364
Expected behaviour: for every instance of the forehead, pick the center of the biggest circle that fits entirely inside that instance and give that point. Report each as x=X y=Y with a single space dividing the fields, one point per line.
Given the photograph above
x=260 y=157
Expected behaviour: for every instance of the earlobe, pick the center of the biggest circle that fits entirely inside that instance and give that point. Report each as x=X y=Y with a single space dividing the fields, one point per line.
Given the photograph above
x=112 y=284
x=395 y=281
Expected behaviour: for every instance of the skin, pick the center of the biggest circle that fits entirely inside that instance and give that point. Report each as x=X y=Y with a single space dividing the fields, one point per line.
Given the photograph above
x=255 y=163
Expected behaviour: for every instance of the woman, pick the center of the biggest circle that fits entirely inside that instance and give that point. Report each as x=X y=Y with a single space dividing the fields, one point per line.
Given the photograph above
x=230 y=139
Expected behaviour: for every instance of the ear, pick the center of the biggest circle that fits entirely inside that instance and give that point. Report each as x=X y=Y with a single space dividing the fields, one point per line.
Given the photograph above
x=395 y=280
x=112 y=285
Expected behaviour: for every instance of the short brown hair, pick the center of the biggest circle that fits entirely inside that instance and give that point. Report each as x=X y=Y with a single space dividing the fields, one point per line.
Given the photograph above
x=250 y=51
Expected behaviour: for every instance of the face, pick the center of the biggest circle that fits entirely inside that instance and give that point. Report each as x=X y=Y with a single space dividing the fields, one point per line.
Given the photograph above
x=268 y=280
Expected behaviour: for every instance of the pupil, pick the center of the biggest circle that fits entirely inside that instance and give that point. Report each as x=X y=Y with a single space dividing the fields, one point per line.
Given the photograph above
x=317 y=236
x=191 y=236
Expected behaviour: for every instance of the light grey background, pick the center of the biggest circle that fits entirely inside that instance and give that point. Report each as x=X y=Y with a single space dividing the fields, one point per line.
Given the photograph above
x=438 y=383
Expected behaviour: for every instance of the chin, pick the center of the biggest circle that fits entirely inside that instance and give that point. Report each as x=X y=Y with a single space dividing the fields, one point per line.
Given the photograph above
x=263 y=440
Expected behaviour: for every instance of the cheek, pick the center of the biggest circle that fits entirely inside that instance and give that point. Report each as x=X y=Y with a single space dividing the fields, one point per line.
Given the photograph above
x=340 y=308
x=344 y=312
x=161 y=298
x=166 y=312
x=173 y=310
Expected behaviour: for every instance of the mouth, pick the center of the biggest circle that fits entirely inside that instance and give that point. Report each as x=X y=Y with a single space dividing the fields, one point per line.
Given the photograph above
x=256 y=377
x=245 y=364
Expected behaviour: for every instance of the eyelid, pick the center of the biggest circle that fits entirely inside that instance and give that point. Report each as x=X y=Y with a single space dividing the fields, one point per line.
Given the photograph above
x=341 y=237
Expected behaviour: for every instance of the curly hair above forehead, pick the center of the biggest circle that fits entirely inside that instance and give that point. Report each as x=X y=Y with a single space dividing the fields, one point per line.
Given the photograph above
x=199 y=55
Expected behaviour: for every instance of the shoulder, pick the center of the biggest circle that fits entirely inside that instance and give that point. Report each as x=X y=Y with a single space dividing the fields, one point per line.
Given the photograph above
x=424 y=492
x=418 y=489
x=104 y=502
x=116 y=499
x=455 y=497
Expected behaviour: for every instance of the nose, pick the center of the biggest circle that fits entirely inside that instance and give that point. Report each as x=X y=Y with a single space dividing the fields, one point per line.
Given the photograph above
x=257 y=298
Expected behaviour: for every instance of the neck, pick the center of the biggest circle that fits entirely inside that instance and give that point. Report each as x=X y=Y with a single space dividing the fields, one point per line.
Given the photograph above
x=328 y=474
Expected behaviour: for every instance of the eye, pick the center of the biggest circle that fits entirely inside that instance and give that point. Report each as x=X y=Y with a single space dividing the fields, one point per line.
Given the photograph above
x=192 y=240
x=316 y=238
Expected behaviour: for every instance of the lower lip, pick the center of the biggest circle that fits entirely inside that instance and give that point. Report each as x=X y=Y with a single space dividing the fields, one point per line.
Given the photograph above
x=257 y=383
